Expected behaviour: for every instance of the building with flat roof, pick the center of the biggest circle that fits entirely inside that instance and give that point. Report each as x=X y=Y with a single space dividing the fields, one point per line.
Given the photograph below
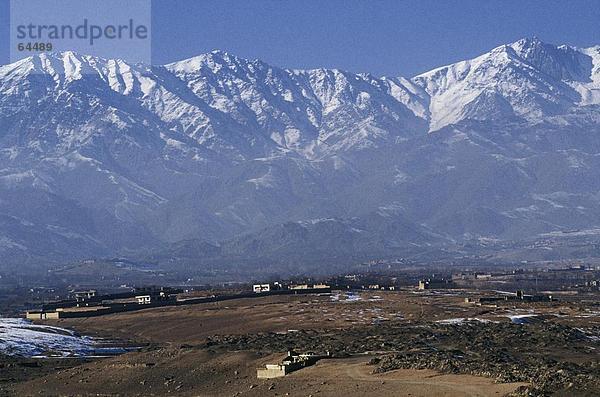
x=41 y=315
x=258 y=288
x=143 y=299
x=434 y=284
x=81 y=296
x=292 y=362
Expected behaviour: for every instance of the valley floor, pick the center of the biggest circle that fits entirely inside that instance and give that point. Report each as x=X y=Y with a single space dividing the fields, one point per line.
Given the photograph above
x=202 y=373
x=398 y=343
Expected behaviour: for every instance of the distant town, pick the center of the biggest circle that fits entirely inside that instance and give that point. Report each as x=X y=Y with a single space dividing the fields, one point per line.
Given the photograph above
x=373 y=326
x=508 y=285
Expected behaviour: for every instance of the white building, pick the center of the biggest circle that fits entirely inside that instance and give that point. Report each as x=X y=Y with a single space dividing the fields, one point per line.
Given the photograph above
x=258 y=288
x=143 y=299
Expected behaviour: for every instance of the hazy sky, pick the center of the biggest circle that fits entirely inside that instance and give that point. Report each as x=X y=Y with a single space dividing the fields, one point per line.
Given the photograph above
x=381 y=37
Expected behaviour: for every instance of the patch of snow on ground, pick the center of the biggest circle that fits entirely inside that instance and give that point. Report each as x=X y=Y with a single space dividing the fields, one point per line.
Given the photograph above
x=346 y=297
x=590 y=334
x=521 y=318
x=462 y=320
x=20 y=337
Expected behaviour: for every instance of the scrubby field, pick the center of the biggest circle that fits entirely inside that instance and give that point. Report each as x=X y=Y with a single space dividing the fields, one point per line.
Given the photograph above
x=384 y=343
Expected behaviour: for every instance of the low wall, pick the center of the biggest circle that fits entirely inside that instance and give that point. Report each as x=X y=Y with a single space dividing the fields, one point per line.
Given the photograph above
x=271 y=371
x=129 y=307
x=42 y=315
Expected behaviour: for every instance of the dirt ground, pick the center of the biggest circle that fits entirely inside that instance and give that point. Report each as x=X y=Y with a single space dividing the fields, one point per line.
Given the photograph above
x=178 y=362
x=193 y=323
x=201 y=373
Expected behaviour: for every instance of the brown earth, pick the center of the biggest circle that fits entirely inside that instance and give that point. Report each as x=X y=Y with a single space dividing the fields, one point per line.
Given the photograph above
x=202 y=373
x=193 y=323
x=177 y=361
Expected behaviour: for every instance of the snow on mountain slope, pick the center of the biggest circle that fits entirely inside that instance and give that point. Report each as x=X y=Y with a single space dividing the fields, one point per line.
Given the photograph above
x=68 y=67
x=528 y=79
x=589 y=88
x=236 y=107
x=309 y=112
x=361 y=111
x=246 y=109
x=104 y=156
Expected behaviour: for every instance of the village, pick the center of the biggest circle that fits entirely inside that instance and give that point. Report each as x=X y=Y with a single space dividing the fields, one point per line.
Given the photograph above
x=376 y=323
x=475 y=286
x=88 y=303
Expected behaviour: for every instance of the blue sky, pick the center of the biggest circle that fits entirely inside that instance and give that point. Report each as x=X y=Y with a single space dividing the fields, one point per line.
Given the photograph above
x=381 y=37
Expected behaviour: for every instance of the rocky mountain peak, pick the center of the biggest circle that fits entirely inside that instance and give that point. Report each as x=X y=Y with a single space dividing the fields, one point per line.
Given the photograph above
x=103 y=155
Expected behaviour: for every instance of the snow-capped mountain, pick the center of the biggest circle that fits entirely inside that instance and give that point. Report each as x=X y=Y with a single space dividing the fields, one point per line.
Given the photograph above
x=99 y=157
x=528 y=79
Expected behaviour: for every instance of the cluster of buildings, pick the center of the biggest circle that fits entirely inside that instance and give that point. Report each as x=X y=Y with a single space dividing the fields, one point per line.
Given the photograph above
x=432 y=283
x=365 y=282
x=472 y=276
x=277 y=286
x=519 y=295
x=292 y=362
x=88 y=303
x=593 y=284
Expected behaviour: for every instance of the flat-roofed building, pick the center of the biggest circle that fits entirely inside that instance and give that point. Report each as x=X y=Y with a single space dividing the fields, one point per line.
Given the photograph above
x=83 y=295
x=41 y=315
x=258 y=288
x=143 y=299
x=299 y=286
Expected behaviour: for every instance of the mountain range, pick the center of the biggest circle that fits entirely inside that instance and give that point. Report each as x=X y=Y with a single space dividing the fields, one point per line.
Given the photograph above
x=220 y=158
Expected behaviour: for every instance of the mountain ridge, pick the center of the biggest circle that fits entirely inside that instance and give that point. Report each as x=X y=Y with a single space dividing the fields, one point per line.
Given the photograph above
x=218 y=148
